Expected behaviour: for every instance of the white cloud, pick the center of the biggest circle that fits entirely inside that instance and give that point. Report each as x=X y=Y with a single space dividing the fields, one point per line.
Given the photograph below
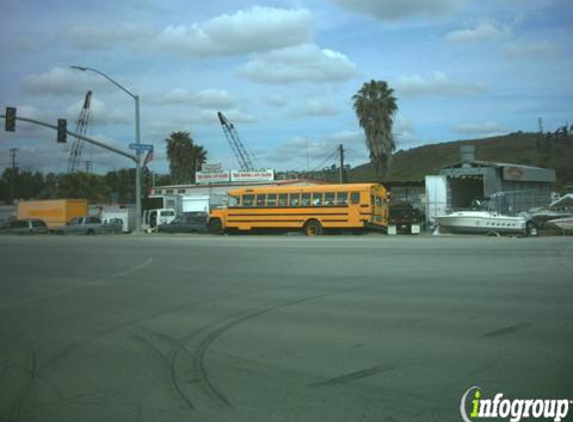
x=438 y=84
x=97 y=37
x=482 y=32
x=275 y=100
x=534 y=50
x=304 y=63
x=302 y=148
x=60 y=81
x=390 y=10
x=99 y=114
x=215 y=98
x=321 y=108
x=255 y=30
x=404 y=131
x=210 y=98
x=486 y=128
x=234 y=115
x=160 y=129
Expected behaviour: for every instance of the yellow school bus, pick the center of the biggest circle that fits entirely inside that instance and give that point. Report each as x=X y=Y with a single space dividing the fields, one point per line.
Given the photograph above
x=312 y=209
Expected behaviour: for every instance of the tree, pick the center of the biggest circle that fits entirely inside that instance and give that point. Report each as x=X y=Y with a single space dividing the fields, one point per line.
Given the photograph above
x=184 y=157
x=375 y=106
x=83 y=185
x=199 y=158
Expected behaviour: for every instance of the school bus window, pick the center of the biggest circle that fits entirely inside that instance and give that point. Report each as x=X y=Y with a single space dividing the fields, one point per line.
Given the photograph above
x=329 y=198
x=305 y=199
x=248 y=200
x=234 y=201
x=355 y=198
x=261 y=200
x=294 y=199
x=378 y=201
x=283 y=200
x=317 y=199
x=341 y=198
x=272 y=200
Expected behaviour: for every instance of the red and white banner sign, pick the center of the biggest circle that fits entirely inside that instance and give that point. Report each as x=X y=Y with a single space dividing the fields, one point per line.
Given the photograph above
x=219 y=177
x=252 y=176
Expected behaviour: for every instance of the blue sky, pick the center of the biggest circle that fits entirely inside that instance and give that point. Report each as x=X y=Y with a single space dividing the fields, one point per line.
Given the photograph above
x=283 y=72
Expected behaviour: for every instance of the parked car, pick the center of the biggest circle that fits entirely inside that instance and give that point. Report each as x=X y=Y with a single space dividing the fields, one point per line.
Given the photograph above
x=26 y=226
x=192 y=222
x=83 y=225
x=113 y=225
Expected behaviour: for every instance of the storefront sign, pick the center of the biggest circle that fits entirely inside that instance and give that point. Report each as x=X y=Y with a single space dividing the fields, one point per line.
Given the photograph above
x=252 y=176
x=212 y=177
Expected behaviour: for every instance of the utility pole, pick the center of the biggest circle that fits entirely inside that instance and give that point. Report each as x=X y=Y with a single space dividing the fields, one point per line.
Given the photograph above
x=13 y=152
x=341 y=152
x=541 y=137
x=307 y=158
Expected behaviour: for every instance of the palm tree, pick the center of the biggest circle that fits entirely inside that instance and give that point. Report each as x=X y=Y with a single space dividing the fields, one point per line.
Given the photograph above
x=184 y=157
x=375 y=106
x=199 y=158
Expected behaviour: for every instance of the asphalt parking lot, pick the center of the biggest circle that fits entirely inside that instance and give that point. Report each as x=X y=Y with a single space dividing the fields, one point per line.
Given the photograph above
x=279 y=328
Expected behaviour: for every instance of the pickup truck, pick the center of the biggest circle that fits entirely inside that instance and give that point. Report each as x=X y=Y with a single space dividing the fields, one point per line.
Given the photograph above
x=403 y=218
x=83 y=225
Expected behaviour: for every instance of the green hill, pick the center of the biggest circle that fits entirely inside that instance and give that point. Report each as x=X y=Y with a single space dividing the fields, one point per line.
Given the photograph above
x=515 y=148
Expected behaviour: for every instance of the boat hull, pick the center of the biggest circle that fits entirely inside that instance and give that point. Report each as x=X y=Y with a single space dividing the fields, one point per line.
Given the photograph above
x=563 y=223
x=481 y=223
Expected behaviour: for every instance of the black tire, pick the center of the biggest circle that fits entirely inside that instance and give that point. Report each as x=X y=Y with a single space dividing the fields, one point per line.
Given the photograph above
x=90 y=232
x=215 y=226
x=312 y=228
x=531 y=229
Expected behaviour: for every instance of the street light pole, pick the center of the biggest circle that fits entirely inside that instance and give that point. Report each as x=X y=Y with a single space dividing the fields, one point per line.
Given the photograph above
x=137 y=141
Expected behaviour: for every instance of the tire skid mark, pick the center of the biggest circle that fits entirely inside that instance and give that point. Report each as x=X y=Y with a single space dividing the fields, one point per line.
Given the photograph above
x=227 y=324
x=353 y=376
x=42 y=379
x=134 y=323
x=4 y=370
x=168 y=361
x=18 y=405
x=149 y=345
x=507 y=330
x=71 y=288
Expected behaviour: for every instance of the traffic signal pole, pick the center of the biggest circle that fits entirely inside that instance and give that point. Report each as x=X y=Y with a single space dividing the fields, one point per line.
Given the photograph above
x=115 y=150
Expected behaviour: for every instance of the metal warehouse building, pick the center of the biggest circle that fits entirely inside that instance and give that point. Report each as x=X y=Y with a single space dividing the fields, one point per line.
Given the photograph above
x=524 y=186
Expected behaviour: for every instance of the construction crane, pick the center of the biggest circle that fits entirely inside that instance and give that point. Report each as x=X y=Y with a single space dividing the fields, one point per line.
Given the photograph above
x=78 y=145
x=242 y=155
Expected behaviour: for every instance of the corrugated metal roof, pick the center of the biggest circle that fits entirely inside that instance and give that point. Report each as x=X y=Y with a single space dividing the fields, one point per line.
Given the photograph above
x=479 y=163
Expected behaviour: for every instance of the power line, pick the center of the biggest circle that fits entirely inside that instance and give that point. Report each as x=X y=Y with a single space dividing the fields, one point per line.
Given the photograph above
x=330 y=157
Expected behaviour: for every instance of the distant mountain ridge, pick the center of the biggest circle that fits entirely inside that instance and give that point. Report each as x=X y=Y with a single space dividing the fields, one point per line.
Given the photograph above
x=515 y=148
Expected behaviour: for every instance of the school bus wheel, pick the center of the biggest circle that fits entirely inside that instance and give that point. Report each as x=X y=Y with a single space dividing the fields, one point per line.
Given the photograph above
x=215 y=226
x=312 y=228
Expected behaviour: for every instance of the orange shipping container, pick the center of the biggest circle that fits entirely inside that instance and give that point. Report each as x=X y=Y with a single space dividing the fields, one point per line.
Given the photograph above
x=55 y=212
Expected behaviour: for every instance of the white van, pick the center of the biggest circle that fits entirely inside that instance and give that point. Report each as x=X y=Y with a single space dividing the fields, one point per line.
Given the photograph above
x=152 y=218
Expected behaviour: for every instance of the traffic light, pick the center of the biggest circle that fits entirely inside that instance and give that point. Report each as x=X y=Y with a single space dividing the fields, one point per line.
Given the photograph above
x=62 y=130
x=10 y=119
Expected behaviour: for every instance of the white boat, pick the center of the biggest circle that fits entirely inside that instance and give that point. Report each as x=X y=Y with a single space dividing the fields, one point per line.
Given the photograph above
x=482 y=222
x=563 y=223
